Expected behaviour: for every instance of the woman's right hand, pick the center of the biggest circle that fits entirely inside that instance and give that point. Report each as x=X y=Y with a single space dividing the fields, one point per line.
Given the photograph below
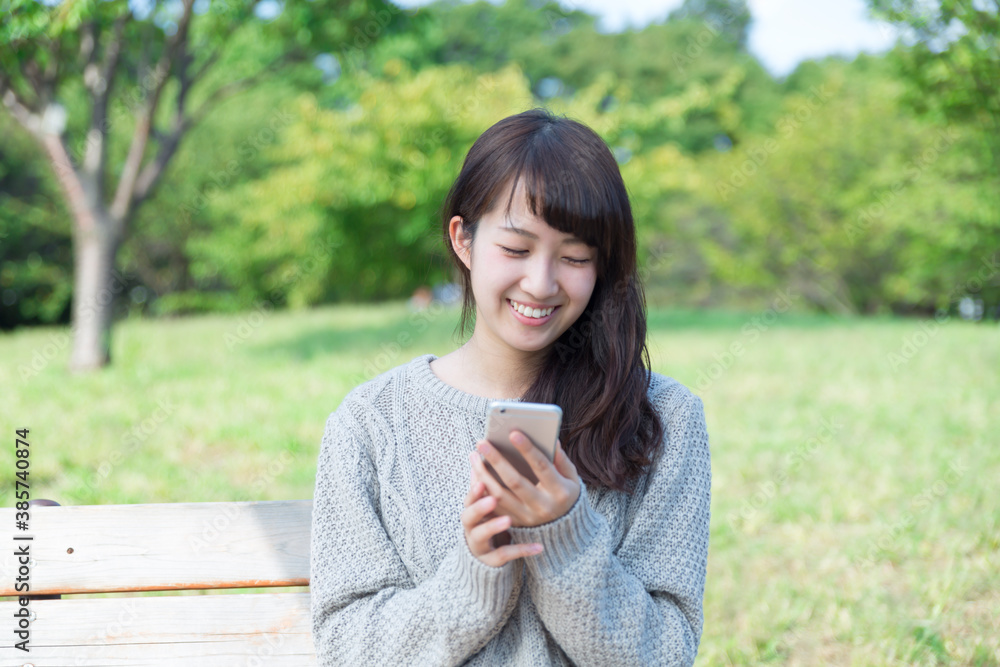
x=482 y=528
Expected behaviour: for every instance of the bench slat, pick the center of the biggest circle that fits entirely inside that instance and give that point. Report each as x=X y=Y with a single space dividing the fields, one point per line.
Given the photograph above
x=146 y=547
x=245 y=630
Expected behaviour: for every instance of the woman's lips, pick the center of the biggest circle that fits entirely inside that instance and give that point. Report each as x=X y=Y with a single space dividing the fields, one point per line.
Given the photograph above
x=531 y=321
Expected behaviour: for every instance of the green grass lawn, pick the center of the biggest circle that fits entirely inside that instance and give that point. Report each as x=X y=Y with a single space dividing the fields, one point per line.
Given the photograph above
x=856 y=466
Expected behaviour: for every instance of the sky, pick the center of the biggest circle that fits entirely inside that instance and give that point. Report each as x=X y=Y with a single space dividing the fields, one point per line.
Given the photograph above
x=783 y=33
x=789 y=31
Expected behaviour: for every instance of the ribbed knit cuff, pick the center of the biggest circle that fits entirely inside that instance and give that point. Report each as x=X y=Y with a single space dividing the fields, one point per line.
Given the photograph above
x=489 y=587
x=563 y=539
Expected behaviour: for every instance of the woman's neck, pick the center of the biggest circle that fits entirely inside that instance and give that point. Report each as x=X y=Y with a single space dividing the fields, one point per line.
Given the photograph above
x=501 y=372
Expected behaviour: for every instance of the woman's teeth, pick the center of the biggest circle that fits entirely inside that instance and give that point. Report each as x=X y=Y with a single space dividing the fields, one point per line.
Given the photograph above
x=531 y=312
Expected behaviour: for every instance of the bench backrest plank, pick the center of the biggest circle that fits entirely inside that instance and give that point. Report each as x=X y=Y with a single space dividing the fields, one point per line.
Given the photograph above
x=119 y=548
x=228 y=630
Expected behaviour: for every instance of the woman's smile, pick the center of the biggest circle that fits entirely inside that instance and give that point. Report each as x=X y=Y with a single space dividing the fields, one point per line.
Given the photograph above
x=533 y=317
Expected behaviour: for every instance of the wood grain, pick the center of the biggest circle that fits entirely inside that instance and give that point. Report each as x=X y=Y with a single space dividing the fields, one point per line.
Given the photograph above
x=119 y=548
x=245 y=630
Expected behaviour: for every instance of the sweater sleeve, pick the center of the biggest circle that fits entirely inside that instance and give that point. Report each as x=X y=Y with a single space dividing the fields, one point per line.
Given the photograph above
x=641 y=605
x=366 y=609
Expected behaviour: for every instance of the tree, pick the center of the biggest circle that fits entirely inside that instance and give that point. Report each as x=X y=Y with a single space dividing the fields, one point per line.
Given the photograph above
x=853 y=202
x=953 y=71
x=954 y=64
x=731 y=18
x=561 y=51
x=35 y=289
x=369 y=178
x=110 y=89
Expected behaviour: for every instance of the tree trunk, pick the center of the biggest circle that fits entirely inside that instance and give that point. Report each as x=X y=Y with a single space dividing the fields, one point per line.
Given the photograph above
x=95 y=286
x=96 y=237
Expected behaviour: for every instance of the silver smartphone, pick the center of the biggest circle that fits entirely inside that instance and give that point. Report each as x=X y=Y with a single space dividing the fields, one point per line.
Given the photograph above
x=539 y=421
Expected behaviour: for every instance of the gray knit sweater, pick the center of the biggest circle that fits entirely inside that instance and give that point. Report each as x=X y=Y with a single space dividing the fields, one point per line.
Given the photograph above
x=620 y=581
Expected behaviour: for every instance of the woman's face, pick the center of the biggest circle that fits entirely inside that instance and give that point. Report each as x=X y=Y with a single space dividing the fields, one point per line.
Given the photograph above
x=521 y=268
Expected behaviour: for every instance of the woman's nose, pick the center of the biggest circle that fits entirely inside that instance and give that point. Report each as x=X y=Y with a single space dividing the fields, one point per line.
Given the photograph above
x=540 y=281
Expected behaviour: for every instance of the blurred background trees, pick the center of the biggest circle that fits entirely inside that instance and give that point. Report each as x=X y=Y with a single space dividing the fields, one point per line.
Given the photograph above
x=951 y=72
x=109 y=91
x=868 y=186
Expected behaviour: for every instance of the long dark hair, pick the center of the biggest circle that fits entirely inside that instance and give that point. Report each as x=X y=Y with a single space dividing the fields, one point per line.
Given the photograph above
x=597 y=371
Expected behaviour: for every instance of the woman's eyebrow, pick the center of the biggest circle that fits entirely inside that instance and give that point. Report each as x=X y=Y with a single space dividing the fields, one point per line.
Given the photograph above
x=571 y=240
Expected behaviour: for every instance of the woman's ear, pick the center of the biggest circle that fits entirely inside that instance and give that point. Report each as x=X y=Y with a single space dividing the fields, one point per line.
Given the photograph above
x=461 y=242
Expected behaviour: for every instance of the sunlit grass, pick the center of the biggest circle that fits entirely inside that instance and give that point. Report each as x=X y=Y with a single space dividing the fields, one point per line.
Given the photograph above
x=855 y=518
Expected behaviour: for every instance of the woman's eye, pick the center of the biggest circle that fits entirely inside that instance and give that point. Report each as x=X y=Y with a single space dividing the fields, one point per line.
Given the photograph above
x=519 y=253
x=510 y=251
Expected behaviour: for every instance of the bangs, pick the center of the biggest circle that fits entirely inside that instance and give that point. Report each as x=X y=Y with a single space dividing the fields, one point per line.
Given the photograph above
x=571 y=195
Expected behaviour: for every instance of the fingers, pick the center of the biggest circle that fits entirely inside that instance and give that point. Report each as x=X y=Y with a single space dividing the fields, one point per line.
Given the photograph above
x=476 y=492
x=475 y=513
x=482 y=474
x=482 y=527
x=484 y=532
x=565 y=467
x=539 y=463
x=517 y=485
x=476 y=488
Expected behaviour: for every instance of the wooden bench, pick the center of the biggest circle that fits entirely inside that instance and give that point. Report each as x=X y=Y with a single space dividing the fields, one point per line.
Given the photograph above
x=195 y=547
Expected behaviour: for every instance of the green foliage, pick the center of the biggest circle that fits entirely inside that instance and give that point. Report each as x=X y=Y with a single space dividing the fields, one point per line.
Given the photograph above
x=360 y=187
x=167 y=247
x=104 y=65
x=561 y=52
x=955 y=61
x=731 y=18
x=952 y=68
x=35 y=259
x=846 y=201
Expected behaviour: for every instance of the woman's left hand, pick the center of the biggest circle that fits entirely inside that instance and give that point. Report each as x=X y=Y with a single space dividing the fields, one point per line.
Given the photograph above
x=525 y=503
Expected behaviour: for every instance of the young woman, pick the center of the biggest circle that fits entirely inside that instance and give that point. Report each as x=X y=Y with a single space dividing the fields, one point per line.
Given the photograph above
x=419 y=556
